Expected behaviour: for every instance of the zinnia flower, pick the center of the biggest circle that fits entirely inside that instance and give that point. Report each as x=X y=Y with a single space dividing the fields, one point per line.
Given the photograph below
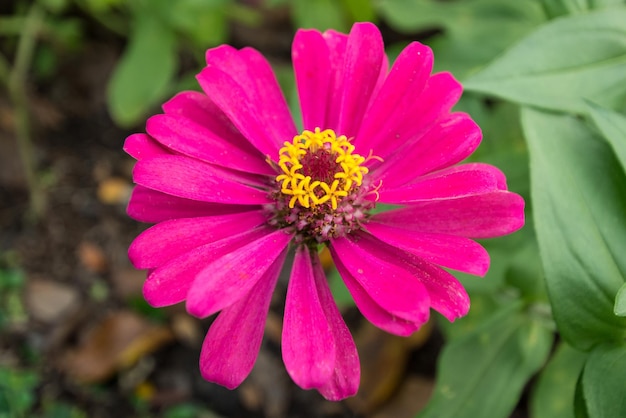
x=232 y=186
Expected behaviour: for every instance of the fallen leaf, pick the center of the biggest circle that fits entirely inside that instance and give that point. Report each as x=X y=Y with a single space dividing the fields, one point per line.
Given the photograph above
x=384 y=358
x=411 y=398
x=115 y=343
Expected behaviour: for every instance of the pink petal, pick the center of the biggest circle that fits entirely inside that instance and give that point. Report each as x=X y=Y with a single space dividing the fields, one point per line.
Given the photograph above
x=170 y=239
x=227 y=278
x=192 y=179
x=444 y=292
x=390 y=286
x=308 y=345
x=189 y=138
x=313 y=68
x=200 y=109
x=449 y=251
x=447 y=295
x=170 y=283
x=147 y=205
x=456 y=181
x=450 y=141
x=243 y=86
x=371 y=310
x=140 y=146
x=344 y=381
x=440 y=94
x=402 y=87
x=337 y=43
x=480 y=216
x=364 y=58
x=234 y=339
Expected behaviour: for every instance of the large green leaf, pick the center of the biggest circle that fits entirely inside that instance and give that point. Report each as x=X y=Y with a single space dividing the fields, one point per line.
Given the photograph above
x=553 y=395
x=604 y=382
x=562 y=63
x=144 y=71
x=613 y=127
x=486 y=370
x=579 y=202
x=620 y=301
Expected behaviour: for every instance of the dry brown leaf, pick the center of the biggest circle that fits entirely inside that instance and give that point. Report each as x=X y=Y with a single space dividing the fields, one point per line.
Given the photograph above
x=384 y=358
x=412 y=397
x=116 y=342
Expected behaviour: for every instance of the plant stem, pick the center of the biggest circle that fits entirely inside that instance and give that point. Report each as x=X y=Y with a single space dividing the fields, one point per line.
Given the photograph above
x=17 y=91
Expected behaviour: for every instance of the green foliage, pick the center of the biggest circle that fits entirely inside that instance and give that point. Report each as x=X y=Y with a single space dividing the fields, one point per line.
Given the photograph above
x=16 y=392
x=603 y=382
x=579 y=200
x=487 y=368
x=466 y=24
x=612 y=125
x=144 y=72
x=562 y=63
x=553 y=395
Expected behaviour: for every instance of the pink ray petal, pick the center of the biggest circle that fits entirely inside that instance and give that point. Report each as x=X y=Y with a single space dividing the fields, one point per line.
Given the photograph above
x=147 y=205
x=344 y=381
x=243 y=86
x=336 y=43
x=170 y=283
x=227 y=278
x=170 y=239
x=450 y=141
x=140 y=146
x=199 y=108
x=232 y=344
x=390 y=286
x=192 y=179
x=313 y=70
x=364 y=57
x=452 y=182
x=449 y=251
x=192 y=139
x=480 y=216
x=371 y=310
x=402 y=87
x=308 y=343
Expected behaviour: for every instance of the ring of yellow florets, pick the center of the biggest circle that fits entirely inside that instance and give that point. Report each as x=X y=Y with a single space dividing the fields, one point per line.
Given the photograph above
x=330 y=185
x=321 y=190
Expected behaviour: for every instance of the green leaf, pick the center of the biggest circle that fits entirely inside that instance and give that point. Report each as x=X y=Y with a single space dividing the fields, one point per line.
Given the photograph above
x=487 y=369
x=604 y=382
x=555 y=8
x=553 y=395
x=620 y=301
x=360 y=10
x=579 y=202
x=319 y=14
x=474 y=31
x=612 y=125
x=562 y=63
x=144 y=71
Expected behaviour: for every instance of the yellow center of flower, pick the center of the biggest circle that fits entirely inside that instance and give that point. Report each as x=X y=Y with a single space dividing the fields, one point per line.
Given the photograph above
x=319 y=167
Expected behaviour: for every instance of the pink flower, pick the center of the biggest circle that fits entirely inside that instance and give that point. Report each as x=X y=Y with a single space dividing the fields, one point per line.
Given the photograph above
x=232 y=185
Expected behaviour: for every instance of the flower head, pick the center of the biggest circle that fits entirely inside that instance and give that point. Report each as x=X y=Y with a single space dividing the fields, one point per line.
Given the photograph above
x=232 y=186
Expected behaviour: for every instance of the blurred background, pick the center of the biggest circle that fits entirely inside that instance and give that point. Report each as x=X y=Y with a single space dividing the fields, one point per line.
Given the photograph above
x=78 y=76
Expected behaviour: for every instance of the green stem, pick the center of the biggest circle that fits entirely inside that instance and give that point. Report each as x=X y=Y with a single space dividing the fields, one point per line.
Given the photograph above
x=17 y=91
